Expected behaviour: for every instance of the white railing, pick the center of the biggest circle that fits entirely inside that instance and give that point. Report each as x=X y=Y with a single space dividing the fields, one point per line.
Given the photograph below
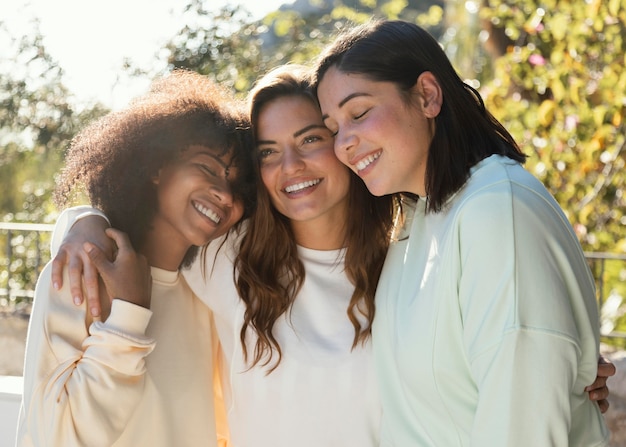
x=24 y=251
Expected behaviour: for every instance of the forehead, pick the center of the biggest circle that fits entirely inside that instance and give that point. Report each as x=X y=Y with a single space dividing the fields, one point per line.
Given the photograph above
x=278 y=113
x=287 y=105
x=222 y=155
x=336 y=88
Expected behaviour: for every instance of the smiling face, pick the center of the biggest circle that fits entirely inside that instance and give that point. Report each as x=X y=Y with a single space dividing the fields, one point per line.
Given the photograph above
x=196 y=204
x=304 y=179
x=380 y=135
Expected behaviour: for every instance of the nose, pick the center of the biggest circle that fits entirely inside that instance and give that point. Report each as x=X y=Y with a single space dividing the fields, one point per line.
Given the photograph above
x=344 y=142
x=292 y=160
x=223 y=192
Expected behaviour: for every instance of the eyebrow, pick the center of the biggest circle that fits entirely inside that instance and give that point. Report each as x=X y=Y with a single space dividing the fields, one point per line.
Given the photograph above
x=214 y=157
x=345 y=100
x=296 y=134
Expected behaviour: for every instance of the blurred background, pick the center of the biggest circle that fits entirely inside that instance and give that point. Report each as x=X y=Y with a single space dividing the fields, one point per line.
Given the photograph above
x=552 y=71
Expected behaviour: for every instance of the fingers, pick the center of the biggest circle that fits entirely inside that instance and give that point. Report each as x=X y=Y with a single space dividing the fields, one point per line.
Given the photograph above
x=75 y=274
x=605 y=367
x=92 y=287
x=604 y=405
x=598 y=390
x=597 y=384
x=58 y=264
x=97 y=257
x=99 y=264
x=128 y=276
x=120 y=238
x=75 y=268
x=599 y=394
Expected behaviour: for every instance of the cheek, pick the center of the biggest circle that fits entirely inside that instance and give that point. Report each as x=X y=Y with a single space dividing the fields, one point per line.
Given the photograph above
x=267 y=175
x=344 y=179
x=331 y=161
x=337 y=172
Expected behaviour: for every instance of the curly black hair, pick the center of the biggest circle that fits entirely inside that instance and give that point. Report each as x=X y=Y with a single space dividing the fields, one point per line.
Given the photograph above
x=114 y=159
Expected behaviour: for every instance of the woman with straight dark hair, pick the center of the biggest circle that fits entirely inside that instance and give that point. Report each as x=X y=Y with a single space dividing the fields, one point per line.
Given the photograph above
x=488 y=291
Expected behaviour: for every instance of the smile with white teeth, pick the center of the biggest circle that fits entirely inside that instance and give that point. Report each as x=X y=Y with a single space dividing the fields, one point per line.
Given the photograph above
x=207 y=212
x=362 y=164
x=300 y=186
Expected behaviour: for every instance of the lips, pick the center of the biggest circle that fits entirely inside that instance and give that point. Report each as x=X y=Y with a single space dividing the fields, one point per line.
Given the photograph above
x=207 y=212
x=367 y=160
x=297 y=187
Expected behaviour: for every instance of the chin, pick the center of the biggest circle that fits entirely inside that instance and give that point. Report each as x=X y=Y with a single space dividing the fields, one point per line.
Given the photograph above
x=377 y=189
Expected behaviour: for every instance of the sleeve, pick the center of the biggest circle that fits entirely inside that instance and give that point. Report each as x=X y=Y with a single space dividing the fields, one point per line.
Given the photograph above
x=66 y=219
x=221 y=418
x=528 y=306
x=82 y=381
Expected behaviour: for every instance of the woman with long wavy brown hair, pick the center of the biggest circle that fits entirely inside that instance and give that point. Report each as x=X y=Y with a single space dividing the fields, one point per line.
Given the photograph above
x=271 y=272
x=295 y=324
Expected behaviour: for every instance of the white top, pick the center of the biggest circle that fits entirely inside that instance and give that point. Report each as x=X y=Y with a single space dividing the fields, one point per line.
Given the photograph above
x=323 y=393
x=141 y=378
x=476 y=309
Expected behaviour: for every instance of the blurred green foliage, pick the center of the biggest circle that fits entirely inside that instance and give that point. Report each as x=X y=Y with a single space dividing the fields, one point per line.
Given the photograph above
x=37 y=121
x=560 y=88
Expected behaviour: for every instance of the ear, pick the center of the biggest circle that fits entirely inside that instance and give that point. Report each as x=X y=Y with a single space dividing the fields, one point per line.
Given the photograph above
x=429 y=91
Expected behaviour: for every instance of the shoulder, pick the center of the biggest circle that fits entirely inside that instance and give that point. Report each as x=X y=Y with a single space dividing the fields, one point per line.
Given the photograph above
x=499 y=186
x=48 y=300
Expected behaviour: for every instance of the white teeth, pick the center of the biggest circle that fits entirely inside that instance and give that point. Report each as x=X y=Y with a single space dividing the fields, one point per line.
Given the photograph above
x=207 y=212
x=366 y=161
x=300 y=186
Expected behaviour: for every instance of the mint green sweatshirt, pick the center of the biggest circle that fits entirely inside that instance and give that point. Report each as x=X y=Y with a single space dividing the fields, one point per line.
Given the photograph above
x=486 y=329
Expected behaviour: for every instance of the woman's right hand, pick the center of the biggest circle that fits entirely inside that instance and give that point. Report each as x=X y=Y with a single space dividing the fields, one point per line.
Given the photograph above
x=81 y=270
x=128 y=276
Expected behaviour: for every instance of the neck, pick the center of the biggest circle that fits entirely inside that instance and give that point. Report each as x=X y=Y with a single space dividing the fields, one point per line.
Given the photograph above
x=325 y=233
x=162 y=252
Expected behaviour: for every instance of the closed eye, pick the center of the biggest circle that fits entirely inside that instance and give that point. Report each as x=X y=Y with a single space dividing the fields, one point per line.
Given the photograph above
x=207 y=169
x=361 y=115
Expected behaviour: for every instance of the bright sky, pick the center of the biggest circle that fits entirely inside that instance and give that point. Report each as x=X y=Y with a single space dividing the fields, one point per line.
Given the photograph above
x=90 y=38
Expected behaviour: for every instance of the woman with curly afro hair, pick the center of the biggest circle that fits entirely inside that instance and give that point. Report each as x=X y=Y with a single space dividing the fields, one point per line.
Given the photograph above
x=172 y=171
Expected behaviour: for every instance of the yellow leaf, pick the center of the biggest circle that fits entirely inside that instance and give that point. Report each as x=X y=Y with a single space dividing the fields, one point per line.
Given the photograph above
x=573 y=90
x=594 y=6
x=598 y=115
x=585 y=212
x=558 y=91
x=596 y=143
x=556 y=58
x=621 y=246
x=558 y=26
x=546 y=112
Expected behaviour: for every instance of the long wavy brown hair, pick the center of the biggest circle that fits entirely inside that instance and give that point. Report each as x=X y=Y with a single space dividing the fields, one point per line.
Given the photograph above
x=114 y=159
x=270 y=273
